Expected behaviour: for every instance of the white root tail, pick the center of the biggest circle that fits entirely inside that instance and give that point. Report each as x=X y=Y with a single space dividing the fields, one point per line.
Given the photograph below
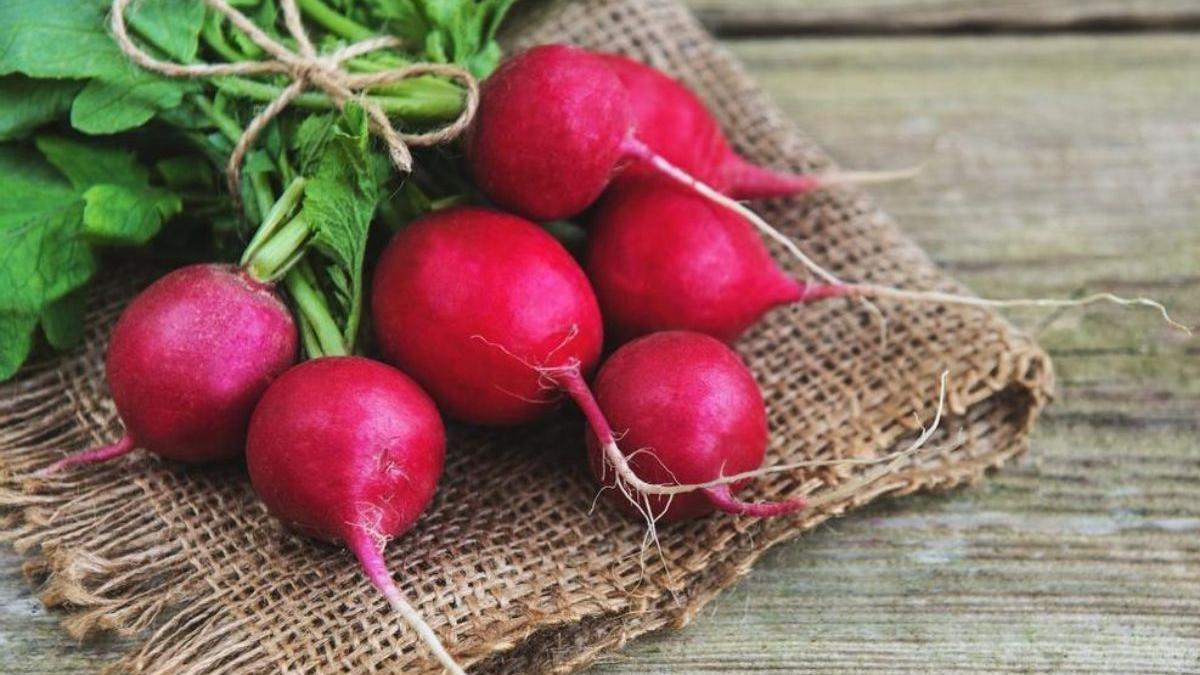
x=626 y=474
x=396 y=599
x=366 y=548
x=828 y=179
x=627 y=480
x=636 y=148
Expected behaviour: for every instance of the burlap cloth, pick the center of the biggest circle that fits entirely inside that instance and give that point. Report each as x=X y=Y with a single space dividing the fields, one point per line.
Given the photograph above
x=510 y=566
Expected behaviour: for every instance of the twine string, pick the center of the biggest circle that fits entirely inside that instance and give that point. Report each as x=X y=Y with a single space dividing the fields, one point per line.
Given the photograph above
x=307 y=68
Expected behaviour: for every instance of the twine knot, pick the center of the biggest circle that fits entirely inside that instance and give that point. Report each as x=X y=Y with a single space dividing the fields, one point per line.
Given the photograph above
x=308 y=69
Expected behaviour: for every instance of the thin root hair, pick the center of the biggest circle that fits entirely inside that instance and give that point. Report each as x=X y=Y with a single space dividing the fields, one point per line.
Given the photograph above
x=641 y=151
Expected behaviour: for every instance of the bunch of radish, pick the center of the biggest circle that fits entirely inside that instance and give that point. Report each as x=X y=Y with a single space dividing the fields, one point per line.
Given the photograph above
x=483 y=315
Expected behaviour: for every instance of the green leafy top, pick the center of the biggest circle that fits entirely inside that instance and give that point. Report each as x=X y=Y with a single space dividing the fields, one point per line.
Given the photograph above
x=450 y=31
x=60 y=199
x=339 y=204
x=69 y=40
x=96 y=152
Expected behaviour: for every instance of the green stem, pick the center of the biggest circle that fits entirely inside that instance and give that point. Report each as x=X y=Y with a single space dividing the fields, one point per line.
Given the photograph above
x=260 y=185
x=412 y=100
x=424 y=87
x=285 y=168
x=275 y=217
x=447 y=202
x=279 y=253
x=225 y=124
x=376 y=62
x=350 y=334
x=308 y=337
x=215 y=39
x=310 y=301
x=334 y=22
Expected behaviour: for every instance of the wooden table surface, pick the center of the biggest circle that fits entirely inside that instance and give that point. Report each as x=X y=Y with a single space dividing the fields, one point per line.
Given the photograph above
x=1065 y=138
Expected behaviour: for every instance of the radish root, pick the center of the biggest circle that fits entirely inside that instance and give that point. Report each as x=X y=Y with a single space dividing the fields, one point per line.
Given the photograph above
x=723 y=498
x=364 y=547
x=827 y=179
x=571 y=380
x=636 y=148
x=123 y=446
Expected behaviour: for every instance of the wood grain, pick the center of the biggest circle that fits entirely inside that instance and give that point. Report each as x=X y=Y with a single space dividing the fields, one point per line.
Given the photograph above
x=31 y=641
x=1066 y=563
x=864 y=17
x=1063 y=164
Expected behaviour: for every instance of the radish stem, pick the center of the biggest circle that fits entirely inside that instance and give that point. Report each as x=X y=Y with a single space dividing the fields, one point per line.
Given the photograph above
x=123 y=446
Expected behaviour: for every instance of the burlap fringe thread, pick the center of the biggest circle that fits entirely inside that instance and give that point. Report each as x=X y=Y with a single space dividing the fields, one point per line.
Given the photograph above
x=509 y=567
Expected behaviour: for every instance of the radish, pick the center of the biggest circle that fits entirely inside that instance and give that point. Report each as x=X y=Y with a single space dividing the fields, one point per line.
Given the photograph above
x=481 y=307
x=673 y=122
x=693 y=410
x=693 y=413
x=348 y=450
x=660 y=257
x=555 y=125
x=549 y=132
x=496 y=321
x=695 y=418
x=187 y=361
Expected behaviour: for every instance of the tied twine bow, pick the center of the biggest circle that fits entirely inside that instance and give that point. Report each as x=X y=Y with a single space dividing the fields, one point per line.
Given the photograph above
x=307 y=68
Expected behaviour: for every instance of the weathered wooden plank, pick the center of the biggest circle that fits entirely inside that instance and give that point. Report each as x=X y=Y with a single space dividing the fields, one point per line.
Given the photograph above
x=1064 y=164
x=1061 y=165
x=790 y=17
x=1066 y=563
x=31 y=640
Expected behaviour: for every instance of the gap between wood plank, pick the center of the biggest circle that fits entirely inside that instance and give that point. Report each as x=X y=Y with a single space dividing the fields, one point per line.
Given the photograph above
x=730 y=26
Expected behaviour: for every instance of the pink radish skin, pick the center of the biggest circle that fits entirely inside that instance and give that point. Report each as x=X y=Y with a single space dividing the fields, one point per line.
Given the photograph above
x=556 y=124
x=549 y=132
x=188 y=359
x=478 y=306
x=348 y=450
x=662 y=258
x=673 y=122
x=693 y=411
x=496 y=321
x=344 y=449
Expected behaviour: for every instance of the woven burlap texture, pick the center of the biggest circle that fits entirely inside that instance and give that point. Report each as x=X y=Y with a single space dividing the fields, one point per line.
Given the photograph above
x=510 y=565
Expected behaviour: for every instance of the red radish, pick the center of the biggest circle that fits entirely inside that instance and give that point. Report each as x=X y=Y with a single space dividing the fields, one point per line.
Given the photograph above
x=554 y=127
x=188 y=360
x=496 y=320
x=479 y=306
x=673 y=122
x=348 y=450
x=557 y=123
x=693 y=430
x=549 y=133
x=661 y=258
x=694 y=414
